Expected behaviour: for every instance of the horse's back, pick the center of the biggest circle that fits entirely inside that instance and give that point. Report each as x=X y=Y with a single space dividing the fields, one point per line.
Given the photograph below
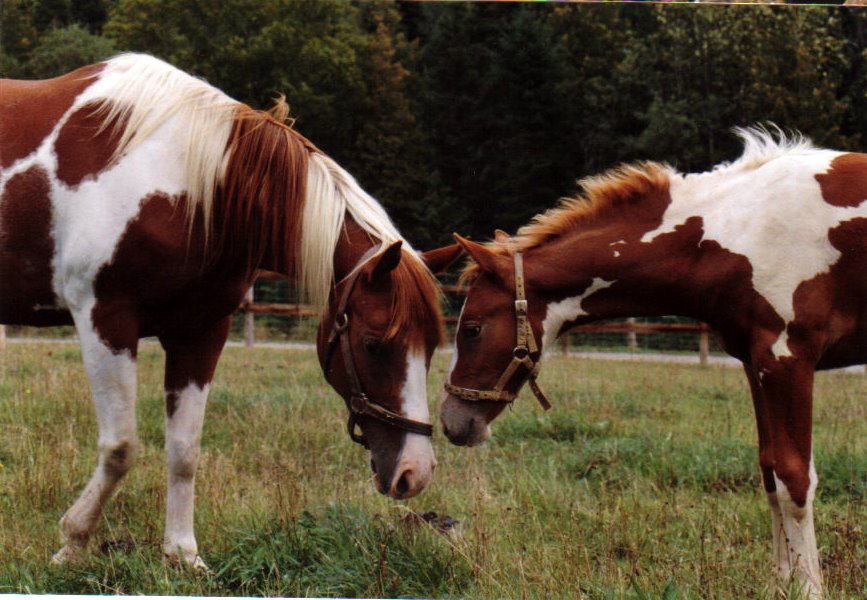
x=30 y=110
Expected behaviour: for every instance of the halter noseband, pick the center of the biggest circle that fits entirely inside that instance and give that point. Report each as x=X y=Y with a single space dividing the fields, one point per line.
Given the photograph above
x=359 y=404
x=522 y=355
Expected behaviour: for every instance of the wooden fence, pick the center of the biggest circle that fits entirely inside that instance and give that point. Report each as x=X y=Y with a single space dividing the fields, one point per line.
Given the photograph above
x=630 y=328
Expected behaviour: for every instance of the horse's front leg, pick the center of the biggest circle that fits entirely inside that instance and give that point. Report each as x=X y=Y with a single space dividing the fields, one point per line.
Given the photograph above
x=782 y=392
x=190 y=362
x=109 y=354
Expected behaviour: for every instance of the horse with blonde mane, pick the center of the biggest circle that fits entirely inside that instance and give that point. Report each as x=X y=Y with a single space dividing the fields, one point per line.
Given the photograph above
x=770 y=251
x=136 y=200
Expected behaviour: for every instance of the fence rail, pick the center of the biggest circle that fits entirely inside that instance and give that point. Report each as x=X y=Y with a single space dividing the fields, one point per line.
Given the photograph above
x=630 y=328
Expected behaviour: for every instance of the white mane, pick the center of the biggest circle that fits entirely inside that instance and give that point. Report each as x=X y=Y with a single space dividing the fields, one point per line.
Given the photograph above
x=764 y=144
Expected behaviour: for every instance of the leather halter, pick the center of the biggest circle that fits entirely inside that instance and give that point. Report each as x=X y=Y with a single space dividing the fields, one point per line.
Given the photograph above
x=522 y=355
x=359 y=404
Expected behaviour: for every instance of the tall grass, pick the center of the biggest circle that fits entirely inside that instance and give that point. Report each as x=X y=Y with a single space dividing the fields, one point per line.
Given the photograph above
x=641 y=483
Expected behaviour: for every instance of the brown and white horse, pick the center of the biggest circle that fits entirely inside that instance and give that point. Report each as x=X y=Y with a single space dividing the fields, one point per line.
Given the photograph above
x=136 y=200
x=770 y=251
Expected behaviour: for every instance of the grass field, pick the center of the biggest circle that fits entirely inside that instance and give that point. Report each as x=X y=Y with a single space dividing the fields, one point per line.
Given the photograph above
x=642 y=482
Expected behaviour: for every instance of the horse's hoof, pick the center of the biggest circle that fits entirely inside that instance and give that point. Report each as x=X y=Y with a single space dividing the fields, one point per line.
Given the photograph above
x=68 y=555
x=192 y=562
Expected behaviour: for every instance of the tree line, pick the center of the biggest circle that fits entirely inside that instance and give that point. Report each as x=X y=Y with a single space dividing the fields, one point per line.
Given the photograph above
x=470 y=116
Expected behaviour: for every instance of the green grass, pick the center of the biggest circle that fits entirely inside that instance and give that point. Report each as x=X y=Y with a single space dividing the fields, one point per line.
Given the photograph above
x=641 y=483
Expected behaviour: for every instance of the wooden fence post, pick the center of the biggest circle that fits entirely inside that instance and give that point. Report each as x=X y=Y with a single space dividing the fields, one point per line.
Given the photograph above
x=631 y=336
x=703 y=345
x=249 y=320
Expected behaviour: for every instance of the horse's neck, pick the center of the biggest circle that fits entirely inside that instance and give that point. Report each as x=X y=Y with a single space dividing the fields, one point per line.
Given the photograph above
x=612 y=273
x=351 y=246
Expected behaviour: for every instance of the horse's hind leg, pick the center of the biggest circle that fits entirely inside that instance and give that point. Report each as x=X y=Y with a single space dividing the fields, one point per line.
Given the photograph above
x=190 y=364
x=112 y=374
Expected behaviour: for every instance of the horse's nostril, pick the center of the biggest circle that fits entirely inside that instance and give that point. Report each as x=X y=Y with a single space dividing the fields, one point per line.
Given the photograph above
x=402 y=485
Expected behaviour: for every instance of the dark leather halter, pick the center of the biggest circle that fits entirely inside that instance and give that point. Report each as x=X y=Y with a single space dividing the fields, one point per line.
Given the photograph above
x=522 y=355
x=359 y=404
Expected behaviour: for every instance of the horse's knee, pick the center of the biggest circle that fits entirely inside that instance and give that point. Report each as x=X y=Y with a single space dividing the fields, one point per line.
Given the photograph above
x=119 y=457
x=183 y=457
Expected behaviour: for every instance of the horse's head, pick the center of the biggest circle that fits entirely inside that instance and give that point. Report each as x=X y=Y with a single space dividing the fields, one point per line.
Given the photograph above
x=375 y=345
x=496 y=346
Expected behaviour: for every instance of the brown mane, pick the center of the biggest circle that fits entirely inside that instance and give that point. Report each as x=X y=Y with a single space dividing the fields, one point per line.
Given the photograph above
x=617 y=189
x=267 y=161
x=416 y=299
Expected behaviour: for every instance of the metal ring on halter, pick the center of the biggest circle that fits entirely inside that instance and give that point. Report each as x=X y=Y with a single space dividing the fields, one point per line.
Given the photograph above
x=525 y=346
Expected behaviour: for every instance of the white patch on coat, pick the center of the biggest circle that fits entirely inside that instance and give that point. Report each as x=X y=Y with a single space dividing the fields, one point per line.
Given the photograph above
x=112 y=378
x=455 y=353
x=559 y=313
x=795 y=552
x=769 y=211
x=183 y=448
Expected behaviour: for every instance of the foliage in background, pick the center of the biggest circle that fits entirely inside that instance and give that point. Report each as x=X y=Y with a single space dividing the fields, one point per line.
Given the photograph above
x=470 y=116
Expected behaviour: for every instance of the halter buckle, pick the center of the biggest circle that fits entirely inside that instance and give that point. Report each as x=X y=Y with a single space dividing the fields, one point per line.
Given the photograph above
x=521 y=352
x=358 y=402
x=521 y=307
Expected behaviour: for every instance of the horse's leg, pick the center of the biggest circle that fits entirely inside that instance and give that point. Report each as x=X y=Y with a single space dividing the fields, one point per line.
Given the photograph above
x=111 y=368
x=190 y=364
x=782 y=394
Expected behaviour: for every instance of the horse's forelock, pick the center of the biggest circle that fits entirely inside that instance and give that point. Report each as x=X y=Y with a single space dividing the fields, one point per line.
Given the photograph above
x=416 y=300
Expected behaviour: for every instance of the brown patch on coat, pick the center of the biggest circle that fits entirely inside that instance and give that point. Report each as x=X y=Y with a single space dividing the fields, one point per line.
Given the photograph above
x=157 y=283
x=830 y=325
x=845 y=183
x=172 y=398
x=85 y=145
x=30 y=110
x=27 y=250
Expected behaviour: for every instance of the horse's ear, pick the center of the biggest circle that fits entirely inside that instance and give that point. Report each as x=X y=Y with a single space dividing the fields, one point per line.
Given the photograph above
x=487 y=260
x=439 y=260
x=385 y=262
x=501 y=237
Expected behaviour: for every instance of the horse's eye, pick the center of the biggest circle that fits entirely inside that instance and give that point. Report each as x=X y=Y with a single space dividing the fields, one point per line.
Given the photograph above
x=471 y=331
x=373 y=345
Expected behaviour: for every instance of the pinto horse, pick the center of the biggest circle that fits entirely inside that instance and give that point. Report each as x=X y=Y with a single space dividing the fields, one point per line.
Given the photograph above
x=770 y=251
x=136 y=200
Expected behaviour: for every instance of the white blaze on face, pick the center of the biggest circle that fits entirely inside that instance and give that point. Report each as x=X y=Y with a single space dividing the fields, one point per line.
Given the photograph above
x=774 y=215
x=413 y=396
x=455 y=353
x=569 y=309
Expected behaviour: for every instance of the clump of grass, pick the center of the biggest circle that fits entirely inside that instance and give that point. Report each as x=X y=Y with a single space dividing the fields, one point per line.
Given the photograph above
x=343 y=551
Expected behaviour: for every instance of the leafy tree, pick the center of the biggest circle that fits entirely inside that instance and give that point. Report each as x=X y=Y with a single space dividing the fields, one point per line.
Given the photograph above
x=494 y=113
x=706 y=71
x=66 y=49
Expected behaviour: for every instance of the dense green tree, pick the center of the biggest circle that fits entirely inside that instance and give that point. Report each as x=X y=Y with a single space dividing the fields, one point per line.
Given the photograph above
x=708 y=70
x=65 y=49
x=494 y=114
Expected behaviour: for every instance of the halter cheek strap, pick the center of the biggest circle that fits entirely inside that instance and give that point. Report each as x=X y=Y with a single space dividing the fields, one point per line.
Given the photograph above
x=359 y=404
x=522 y=355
